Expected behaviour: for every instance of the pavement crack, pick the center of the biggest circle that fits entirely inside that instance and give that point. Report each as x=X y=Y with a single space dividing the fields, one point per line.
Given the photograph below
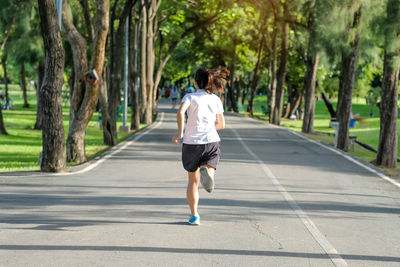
x=258 y=228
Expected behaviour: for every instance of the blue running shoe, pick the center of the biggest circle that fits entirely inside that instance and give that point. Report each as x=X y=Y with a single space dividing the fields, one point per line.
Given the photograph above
x=194 y=220
x=206 y=179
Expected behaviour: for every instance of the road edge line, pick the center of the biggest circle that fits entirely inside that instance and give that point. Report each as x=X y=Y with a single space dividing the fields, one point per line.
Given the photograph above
x=308 y=223
x=341 y=153
x=103 y=157
x=124 y=144
x=361 y=164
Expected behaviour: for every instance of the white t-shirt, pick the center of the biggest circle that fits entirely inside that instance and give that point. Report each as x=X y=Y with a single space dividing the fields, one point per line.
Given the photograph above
x=202 y=114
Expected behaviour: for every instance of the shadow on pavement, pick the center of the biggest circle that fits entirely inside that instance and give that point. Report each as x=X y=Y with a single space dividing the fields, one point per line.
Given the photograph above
x=264 y=253
x=16 y=201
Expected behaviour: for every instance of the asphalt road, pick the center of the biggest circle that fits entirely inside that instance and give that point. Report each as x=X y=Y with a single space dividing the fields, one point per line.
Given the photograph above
x=280 y=200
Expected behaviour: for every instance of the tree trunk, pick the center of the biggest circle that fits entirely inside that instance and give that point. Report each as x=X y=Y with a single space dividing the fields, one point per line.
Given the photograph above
x=280 y=90
x=231 y=85
x=236 y=84
x=309 y=90
x=23 y=85
x=143 y=60
x=329 y=106
x=272 y=89
x=294 y=101
x=150 y=58
x=296 y=105
x=116 y=70
x=53 y=155
x=344 y=109
x=39 y=108
x=388 y=137
x=76 y=135
x=108 y=137
x=254 y=82
x=246 y=90
x=231 y=97
x=2 y=127
x=4 y=64
x=347 y=77
x=85 y=96
x=134 y=74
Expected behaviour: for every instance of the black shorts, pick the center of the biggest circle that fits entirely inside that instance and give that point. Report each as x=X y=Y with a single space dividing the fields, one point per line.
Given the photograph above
x=194 y=156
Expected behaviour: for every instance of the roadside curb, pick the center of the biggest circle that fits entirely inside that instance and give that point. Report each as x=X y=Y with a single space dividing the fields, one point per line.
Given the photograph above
x=356 y=160
x=89 y=165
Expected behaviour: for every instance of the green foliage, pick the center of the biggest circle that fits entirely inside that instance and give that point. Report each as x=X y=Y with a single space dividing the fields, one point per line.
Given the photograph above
x=19 y=150
x=178 y=18
x=214 y=45
x=296 y=72
x=366 y=130
x=233 y=38
x=181 y=63
x=24 y=45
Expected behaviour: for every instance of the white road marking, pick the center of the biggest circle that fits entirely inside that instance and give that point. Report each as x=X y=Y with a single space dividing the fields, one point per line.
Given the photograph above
x=125 y=144
x=312 y=228
x=341 y=153
x=99 y=160
x=381 y=175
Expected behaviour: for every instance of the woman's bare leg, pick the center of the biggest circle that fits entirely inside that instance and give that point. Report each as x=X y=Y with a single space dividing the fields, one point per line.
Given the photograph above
x=192 y=192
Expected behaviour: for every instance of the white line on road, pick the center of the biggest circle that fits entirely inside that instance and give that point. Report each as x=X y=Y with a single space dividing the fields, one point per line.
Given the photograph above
x=312 y=228
x=381 y=175
x=126 y=144
x=97 y=161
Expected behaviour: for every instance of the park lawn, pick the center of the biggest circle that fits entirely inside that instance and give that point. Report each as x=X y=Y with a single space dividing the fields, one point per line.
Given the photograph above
x=20 y=149
x=366 y=130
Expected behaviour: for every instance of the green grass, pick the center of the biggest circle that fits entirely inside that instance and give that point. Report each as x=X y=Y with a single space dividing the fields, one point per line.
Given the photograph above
x=20 y=149
x=366 y=130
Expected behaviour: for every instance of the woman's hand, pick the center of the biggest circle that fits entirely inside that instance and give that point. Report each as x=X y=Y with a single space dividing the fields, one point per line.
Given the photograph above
x=177 y=139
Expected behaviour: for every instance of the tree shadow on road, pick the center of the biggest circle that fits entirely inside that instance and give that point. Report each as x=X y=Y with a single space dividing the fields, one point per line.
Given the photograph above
x=264 y=253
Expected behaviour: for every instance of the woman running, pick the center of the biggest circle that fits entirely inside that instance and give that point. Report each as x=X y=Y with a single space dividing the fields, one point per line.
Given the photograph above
x=200 y=149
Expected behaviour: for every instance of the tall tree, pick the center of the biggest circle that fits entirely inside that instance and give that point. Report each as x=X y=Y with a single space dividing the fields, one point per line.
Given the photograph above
x=273 y=59
x=347 y=75
x=143 y=60
x=116 y=49
x=311 y=60
x=280 y=90
x=256 y=77
x=133 y=70
x=258 y=36
x=195 y=18
x=53 y=154
x=85 y=95
x=388 y=136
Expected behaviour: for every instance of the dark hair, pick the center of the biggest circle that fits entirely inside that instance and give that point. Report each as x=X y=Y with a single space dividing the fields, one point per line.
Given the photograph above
x=211 y=80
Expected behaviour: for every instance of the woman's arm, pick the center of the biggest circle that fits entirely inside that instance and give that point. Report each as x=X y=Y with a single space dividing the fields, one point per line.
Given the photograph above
x=220 y=122
x=180 y=118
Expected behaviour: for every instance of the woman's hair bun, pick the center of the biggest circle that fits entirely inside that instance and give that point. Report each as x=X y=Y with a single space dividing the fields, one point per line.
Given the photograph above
x=218 y=75
x=211 y=80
